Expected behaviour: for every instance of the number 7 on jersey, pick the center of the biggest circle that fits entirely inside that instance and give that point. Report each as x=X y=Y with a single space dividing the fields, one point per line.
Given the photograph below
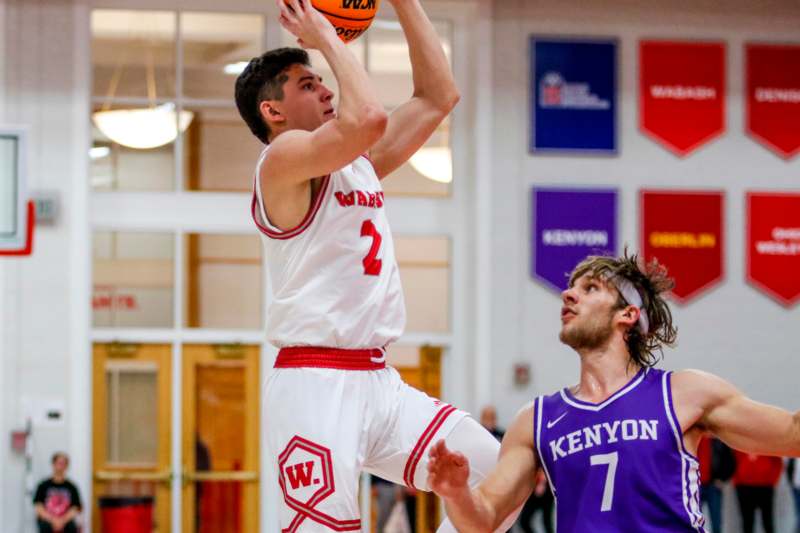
x=610 y=459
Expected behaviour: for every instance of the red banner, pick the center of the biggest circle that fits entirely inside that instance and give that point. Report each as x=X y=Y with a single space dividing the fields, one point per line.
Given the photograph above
x=773 y=244
x=684 y=231
x=773 y=96
x=682 y=93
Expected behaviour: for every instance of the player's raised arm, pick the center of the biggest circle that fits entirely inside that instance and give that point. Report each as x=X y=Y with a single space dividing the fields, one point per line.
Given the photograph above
x=740 y=422
x=501 y=493
x=435 y=93
x=299 y=155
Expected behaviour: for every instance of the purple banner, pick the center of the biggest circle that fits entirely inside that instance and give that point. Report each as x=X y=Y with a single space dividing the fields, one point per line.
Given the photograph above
x=568 y=225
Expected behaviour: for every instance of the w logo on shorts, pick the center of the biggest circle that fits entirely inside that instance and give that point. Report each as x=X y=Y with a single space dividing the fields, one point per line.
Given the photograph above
x=300 y=474
x=306 y=479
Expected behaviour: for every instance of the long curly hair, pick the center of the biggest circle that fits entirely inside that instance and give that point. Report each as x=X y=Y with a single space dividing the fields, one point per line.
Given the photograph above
x=651 y=281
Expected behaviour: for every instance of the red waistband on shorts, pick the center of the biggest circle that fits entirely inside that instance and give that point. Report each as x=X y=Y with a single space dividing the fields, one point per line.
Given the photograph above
x=313 y=357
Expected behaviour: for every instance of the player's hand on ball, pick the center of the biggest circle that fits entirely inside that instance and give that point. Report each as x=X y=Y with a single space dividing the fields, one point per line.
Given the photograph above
x=306 y=23
x=448 y=471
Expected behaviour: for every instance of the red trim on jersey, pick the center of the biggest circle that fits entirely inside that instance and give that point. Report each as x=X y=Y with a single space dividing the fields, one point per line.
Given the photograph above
x=300 y=228
x=314 y=357
x=423 y=442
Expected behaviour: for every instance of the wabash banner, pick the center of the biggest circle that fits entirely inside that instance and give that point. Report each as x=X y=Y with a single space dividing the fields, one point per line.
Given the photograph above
x=682 y=93
x=684 y=231
x=773 y=244
x=568 y=225
x=573 y=97
x=773 y=96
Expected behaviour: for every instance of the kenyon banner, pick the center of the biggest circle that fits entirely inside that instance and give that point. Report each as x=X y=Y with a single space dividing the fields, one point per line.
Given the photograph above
x=573 y=95
x=568 y=225
x=773 y=96
x=682 y=93
x=773 y=244
x=684 y=231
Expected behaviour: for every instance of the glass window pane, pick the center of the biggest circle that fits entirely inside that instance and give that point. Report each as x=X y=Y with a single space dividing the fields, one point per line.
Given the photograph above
x=132 y=279
x=119 y=162
x=220 y=401
x=214 y=47
x=133 y=54
x=220 y=153
x=425 y=271
x=429 y=171
x=223 y=269
x=132 y=413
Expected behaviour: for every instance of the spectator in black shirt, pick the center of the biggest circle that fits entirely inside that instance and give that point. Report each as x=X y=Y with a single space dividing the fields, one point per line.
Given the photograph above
x=57 y=501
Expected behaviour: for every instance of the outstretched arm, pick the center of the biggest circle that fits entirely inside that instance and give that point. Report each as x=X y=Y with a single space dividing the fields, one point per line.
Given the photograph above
x=740 y=422
x=503 y=491
x=297 y=155
x=435 y=92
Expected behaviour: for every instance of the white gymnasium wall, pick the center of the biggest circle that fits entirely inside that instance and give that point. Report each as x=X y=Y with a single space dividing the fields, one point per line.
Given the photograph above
x=733 y=330
x=39 y=349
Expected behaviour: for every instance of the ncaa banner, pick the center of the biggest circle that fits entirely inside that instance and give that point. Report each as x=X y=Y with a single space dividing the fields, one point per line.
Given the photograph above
x=682 y=93
x=773 y=244
x=573 y=95
x=684 y=231
x=773 y=96
x=568 y=225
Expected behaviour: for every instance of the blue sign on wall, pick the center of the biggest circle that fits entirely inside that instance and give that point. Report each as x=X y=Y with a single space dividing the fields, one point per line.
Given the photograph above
x=568 y=225
x=574 y=101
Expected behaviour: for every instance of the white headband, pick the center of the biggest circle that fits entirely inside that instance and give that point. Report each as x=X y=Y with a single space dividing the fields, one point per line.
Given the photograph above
x=632 y=297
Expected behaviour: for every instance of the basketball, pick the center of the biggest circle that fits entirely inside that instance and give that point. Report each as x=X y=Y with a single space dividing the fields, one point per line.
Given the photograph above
x=351 y=18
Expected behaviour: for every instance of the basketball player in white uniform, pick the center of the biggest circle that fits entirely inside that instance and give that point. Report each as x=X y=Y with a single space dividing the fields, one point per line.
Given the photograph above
x=333 y=407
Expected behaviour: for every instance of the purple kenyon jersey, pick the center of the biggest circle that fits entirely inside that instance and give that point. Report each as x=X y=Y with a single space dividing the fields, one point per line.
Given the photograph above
x=621 y=465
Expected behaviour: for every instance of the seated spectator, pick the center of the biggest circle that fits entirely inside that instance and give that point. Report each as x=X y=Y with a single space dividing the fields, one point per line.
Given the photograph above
x=57 y=502
x=489 y=421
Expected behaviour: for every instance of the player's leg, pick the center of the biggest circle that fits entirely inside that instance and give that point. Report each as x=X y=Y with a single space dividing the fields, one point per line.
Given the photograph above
x=482 y=450
x=313 y=435
x=413 y=423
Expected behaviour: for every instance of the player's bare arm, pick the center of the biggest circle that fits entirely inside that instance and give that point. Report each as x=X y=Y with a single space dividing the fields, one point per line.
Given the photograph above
x=435 y=93
x=501 y=493
x=297 y=155
x=705 y=402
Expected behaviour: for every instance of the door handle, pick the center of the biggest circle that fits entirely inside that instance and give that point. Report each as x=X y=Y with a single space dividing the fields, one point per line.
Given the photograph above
x=190 y=476
x=162 y=476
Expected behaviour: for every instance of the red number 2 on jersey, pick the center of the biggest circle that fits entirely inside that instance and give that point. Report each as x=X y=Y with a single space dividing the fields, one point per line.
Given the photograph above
x=372 y=265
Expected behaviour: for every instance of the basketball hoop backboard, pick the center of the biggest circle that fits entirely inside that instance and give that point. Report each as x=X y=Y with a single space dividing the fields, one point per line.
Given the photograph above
x=16 y=213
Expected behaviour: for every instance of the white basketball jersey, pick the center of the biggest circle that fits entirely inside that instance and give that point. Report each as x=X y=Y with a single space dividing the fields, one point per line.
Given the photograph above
x=334 y=277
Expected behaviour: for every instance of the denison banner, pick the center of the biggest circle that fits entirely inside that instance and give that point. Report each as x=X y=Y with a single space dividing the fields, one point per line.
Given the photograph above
x=568 y=225
x=682 y=93
x=773 y=244
x=684 y=231
x=773 y=96
x=573 y=97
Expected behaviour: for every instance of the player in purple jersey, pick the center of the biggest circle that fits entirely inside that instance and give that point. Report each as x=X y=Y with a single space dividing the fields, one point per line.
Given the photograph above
x=619 y=447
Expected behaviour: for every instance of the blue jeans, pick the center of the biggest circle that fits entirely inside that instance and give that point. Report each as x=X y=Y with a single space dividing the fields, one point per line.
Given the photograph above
x=712 y=496
x=796 y=491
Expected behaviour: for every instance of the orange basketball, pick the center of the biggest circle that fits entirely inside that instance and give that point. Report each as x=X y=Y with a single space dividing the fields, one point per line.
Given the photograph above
x=351 y=18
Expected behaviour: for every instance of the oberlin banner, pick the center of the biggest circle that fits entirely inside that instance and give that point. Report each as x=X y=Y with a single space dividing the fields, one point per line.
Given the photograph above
x=568 y=225
x=682 y=93
x=684 y=231
x=573 y=97
x=773 y=96
x=773 y=244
